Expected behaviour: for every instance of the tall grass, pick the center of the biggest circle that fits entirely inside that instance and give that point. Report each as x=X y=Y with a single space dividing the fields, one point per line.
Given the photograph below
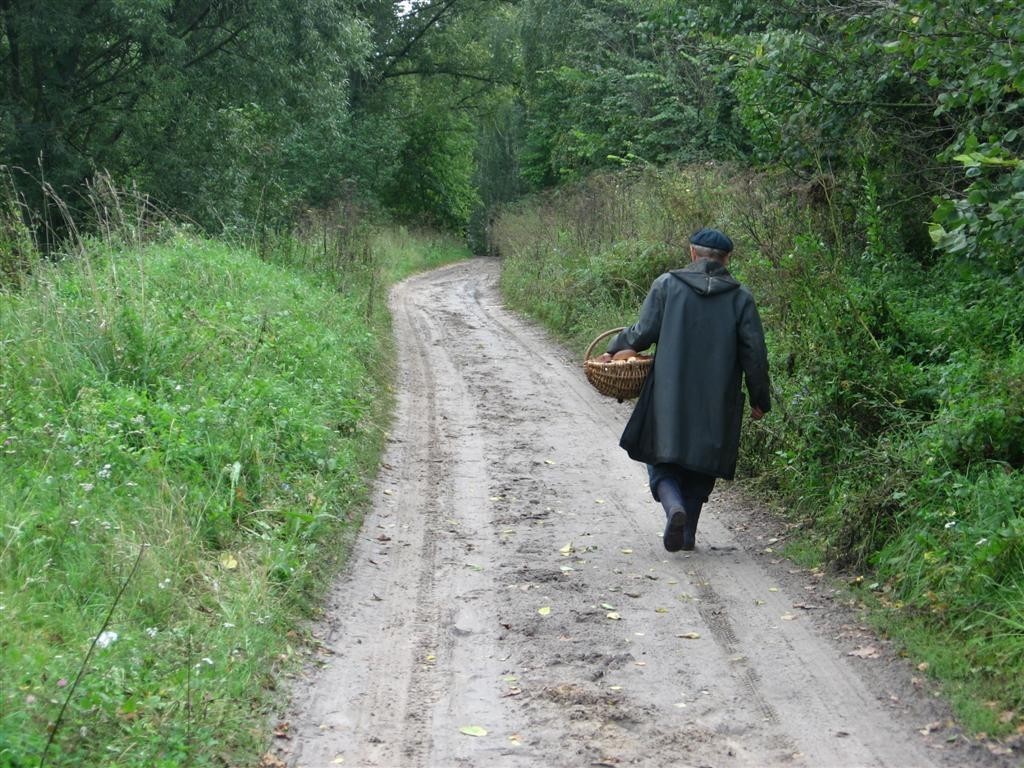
x=897 y=437
x=187 y=432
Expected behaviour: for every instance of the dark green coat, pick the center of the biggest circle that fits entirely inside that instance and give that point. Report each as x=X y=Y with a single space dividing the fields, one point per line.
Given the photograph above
x=709 y=336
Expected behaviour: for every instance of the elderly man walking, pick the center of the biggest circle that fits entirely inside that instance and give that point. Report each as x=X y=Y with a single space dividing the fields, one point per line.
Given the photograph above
x=686 y=424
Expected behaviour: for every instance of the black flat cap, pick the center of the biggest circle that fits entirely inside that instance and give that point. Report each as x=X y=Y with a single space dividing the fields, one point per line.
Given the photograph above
x=711 y=238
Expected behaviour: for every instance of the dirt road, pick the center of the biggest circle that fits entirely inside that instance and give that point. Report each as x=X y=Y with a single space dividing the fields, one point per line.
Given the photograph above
x=511 y=583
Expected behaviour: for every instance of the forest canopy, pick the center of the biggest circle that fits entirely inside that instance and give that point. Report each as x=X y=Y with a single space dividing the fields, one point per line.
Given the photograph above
x=439 y=109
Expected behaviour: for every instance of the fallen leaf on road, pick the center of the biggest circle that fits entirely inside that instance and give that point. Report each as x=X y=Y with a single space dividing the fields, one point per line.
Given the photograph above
x=626 y=551
x=865 y=652
x=548 y=461
x=544 y=611
x=923 y=666
x=614 y=616
x=338 y=760
x=566 y=550
x=608 y=606
x=661 y=610
x=690 y=636
x=788 y=617
x=773 y=589
x=473 y=730
x=272 y=761
x=599 y=501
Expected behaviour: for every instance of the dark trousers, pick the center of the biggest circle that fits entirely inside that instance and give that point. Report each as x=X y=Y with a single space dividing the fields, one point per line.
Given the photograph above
x=687 y=483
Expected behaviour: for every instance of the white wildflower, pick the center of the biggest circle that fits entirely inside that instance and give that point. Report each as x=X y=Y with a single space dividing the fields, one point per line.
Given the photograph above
x=106 y=639
x=151 y=631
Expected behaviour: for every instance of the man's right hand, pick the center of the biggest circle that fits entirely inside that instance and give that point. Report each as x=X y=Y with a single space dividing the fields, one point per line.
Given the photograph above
x=756 y=413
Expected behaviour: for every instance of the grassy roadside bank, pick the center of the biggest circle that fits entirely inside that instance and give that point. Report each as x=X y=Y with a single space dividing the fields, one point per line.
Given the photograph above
x=895 y=444
x=187 y=436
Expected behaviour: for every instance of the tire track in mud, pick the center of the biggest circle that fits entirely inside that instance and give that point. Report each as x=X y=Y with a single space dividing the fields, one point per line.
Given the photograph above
x=713 y=612
x=511 y=576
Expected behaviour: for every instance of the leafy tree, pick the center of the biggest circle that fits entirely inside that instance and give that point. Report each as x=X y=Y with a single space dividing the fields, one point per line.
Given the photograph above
x=209 y=104
x=444 y=70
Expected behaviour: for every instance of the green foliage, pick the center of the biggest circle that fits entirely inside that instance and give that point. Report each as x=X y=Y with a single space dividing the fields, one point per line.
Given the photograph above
x=213 y=108
x=219 y=415
x=442 y=75
x=18 y=253
x=609 y=81
x=433 y=178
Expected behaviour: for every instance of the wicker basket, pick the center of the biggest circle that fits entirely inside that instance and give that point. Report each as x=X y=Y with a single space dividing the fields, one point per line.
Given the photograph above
x=622 y=379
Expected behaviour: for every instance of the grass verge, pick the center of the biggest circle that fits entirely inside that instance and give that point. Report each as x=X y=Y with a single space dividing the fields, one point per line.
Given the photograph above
x=187 y=433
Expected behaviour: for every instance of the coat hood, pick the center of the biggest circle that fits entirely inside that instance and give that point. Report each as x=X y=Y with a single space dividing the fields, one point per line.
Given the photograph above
x=707 y=277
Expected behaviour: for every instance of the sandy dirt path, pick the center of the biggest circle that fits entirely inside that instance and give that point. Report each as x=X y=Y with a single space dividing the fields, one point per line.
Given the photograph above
x=511 y=577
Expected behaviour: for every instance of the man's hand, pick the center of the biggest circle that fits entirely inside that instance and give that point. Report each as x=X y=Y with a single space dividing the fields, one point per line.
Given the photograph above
x=756 y=413
x=605 y=358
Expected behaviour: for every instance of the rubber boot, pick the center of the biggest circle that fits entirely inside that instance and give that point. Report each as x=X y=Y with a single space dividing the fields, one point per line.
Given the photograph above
x=675 y=514
x=674 y=537
x=691 y=516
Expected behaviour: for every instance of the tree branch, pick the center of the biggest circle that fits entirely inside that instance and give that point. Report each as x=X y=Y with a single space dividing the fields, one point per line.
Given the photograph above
x=446 y=6
x=432 y=71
